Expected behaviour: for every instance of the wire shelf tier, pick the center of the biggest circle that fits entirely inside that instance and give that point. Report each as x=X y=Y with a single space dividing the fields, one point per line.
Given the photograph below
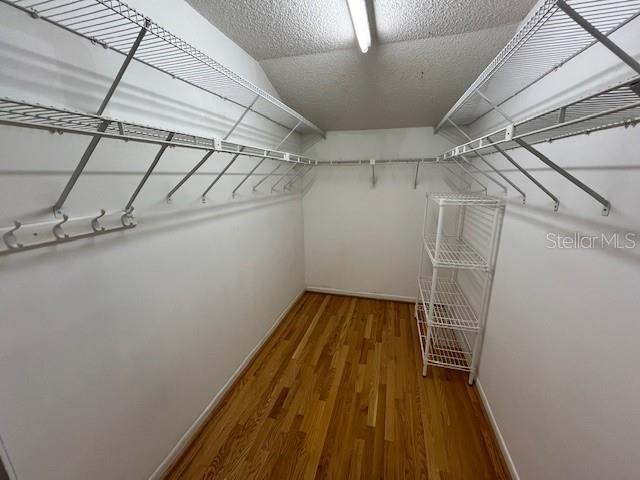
x=33 y=115
x=548 y=39
x=446 y=347
x=454 y=252
x=612 y=107
x=465 y=199
x=115 y=25
x=451 y=308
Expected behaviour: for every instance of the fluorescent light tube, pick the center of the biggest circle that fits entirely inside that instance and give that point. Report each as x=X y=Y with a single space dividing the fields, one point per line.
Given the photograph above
x=360 y=19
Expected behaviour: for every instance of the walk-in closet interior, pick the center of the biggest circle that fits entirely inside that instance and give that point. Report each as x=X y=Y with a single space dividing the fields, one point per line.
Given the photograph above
x=338 y=239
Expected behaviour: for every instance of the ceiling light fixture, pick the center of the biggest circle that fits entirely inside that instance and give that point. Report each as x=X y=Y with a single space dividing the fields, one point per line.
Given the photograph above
x=360 y=19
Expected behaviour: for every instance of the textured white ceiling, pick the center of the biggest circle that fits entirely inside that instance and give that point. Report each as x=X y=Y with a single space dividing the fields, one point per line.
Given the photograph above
x=277 y=28
x=425 y=53
x=400 y=84
x=398 y=20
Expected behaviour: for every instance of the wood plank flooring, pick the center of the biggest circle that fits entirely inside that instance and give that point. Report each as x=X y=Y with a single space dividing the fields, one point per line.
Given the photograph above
x=337 y=393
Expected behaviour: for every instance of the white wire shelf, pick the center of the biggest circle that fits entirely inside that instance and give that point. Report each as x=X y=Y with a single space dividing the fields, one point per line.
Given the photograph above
x=465 y=199
x=115 y=25
x=616 y=106
x=547 y=40
x=454 y=252
x=447 y=348
x=36 y=116
x=451 y=307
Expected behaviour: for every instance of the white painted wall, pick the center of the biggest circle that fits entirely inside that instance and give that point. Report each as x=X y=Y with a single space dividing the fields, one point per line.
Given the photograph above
x=110 y=348
x=102 y=358
x=363 y=239
x=558 y=367
x=558 y=362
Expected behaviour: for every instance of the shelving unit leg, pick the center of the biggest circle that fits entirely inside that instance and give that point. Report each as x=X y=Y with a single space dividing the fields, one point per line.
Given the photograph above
x=425 y=359
x=434 y=276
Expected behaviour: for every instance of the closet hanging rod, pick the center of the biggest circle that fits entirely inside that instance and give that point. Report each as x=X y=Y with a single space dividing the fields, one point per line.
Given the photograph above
x=115 y=25
x=548 y=39
x=367 y=163
x=59 y=120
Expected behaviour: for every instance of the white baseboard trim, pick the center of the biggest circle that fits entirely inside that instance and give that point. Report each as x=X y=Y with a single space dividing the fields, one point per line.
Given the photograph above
x=351 y=293
x=185 y=440
x=503 y=445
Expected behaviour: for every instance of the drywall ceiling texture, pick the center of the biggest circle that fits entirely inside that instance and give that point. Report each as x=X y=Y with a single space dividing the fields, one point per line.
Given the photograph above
x=425 y=54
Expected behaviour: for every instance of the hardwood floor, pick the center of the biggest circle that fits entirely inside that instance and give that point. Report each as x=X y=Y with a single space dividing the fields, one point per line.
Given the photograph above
x=337 y=393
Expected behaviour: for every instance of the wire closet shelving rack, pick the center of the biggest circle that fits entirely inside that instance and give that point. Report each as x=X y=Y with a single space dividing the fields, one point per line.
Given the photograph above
x=553 y=34
x=461 y=235
x=548 y=39
x=116 y=26
x=119 y=27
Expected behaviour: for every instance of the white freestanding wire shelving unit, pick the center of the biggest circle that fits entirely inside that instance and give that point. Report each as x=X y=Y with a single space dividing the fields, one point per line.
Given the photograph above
x=461 y=234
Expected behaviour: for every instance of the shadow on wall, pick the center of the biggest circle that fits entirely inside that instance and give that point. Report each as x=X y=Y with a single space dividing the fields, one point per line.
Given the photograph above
x=84 y=89
x=585 y=227
x=3 y=473
x=161 y=221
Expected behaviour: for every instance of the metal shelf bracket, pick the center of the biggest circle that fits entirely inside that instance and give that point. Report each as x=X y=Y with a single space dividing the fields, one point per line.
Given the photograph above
x=598 y=35
x=96 y=139
x=242 y=182
x=599 y=198
x=495 y=170
x=374 y=179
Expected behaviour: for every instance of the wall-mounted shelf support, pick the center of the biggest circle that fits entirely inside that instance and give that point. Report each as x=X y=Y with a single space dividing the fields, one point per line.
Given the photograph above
x=149 y=171
x=493 y=106
x=613 y=106
x=496 y=108
x=277 y=147
x=287 y=173
x=206 y=158
x=574 y=26
x=415 y=178
x=556 y=201
x=263 y=179
x=495 y=170
x=300 y=175
x=374 y=179
x=246 y=177
x=599 y=36
x=599 y=198
x=113 y=24
x=484 y=174
x=286 y=137
x=244 y=113
x=95 y=140
x=190 y=174
x=220 y=175
x=553 y=34
x=471 y=175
